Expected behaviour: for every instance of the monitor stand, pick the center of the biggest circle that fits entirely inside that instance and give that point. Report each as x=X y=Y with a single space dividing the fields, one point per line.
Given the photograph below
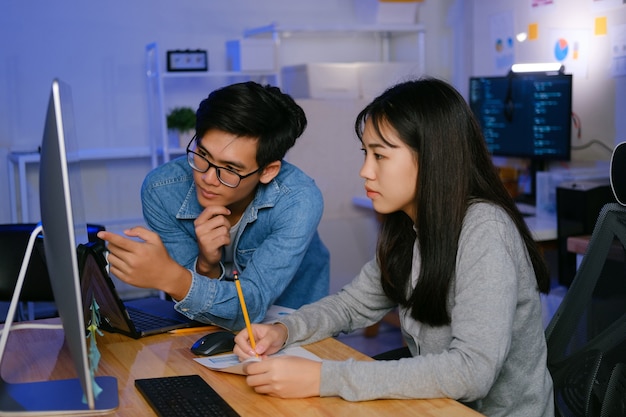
x=54 y=397
x=526 y=199
x=530 y=198
x=57 y=397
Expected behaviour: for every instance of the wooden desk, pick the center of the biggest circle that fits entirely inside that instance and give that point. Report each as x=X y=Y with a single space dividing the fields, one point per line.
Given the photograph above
x=580 y=244
x=543 y=228
x=35 y=355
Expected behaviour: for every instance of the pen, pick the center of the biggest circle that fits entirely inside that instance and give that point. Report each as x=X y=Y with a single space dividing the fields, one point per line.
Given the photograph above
x=244 y=310
x=193 y=329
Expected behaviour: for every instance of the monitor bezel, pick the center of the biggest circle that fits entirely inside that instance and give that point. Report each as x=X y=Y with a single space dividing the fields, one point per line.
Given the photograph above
x=57 y=219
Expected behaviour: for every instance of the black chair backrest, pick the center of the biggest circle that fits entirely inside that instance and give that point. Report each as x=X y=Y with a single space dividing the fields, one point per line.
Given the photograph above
x=13 y=243
x=591 y=319
x=614 y=404
x=618 y=173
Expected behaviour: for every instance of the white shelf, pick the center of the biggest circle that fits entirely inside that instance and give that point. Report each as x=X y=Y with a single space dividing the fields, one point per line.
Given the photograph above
x=156 y=77
x=377 y=28
x=19 y=160
x=216 y=74
x=385 y=33
x=162 y=151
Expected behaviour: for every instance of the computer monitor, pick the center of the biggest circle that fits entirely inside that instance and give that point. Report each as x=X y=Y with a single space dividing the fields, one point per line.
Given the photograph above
x=525 y=115
x=63 y=226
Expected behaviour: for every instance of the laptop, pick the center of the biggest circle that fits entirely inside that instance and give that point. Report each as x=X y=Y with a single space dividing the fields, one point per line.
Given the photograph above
x=135 y=318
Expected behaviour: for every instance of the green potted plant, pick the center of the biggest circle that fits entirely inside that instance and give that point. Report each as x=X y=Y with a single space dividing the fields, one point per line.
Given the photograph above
x=181 y=124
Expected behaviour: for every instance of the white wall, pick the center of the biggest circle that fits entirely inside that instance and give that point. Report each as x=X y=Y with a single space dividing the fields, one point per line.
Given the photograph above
x=98 y=48
x=330 y=152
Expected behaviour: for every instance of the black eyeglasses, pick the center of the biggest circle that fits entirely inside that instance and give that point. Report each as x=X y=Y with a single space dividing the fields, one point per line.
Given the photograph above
x=226 y=176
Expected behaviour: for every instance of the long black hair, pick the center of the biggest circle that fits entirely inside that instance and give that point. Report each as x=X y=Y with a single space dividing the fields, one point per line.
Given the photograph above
x=434 y=120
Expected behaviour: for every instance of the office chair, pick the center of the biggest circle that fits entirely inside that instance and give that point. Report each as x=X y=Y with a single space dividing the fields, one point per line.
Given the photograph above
x=586 y=337
x=614 y=404
x=13 y=241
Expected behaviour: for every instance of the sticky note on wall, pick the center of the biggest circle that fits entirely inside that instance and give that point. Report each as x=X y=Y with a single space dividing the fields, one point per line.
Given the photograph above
x=600 y=26
x=533 y=31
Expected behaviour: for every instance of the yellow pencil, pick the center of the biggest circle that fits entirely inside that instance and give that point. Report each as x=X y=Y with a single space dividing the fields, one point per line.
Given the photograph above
x=196 y=329
x=244 y=310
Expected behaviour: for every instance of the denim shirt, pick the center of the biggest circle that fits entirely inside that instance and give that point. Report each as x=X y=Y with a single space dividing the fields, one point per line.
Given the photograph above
x=278 y=252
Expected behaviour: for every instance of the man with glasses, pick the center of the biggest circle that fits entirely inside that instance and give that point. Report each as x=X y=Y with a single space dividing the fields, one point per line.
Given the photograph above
x=232 y=204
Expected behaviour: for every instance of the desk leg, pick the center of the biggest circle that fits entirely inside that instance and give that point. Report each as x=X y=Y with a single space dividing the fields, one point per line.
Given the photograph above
x=23 y=192
x=12 y=192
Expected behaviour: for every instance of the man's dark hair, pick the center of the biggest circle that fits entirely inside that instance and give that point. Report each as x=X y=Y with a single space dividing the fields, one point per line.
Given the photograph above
x=253 y=110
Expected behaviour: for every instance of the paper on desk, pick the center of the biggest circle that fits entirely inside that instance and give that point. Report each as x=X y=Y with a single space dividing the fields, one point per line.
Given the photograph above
x=230 y=362
x=276 y=312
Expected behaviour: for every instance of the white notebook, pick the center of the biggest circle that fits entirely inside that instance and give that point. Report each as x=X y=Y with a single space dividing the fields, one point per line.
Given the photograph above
x=230 y=362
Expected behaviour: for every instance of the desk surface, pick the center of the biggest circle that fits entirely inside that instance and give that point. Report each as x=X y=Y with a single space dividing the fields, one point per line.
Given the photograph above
x=542 y=227
x=580 y=244
x=168 y=354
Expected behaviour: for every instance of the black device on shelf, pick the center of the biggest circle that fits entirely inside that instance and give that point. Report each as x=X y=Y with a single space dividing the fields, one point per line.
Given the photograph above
x=13 y=242
x=187 y=60
x=578 y=204
x=525 y=115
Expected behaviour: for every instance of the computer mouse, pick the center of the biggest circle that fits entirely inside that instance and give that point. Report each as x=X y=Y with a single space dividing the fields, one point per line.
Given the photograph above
x=214 y=343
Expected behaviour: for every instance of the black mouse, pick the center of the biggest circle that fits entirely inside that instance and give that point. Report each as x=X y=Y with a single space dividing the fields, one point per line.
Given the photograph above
x=214 y=343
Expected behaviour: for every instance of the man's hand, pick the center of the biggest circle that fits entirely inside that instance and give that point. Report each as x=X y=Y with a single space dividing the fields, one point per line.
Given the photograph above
x=213 y=233
x=144 y=262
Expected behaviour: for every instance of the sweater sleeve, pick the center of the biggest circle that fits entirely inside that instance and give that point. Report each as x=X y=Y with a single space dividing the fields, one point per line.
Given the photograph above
x=359 y=304
x=460 y=361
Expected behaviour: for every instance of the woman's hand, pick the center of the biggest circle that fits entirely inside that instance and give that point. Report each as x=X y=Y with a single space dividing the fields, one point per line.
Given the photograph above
x=270 y=338
x=285 y=377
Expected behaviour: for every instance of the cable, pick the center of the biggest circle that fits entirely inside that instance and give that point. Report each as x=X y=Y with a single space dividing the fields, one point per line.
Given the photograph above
x=509 y=103
x=592 y=142
x=21 y=326
x=577 y=124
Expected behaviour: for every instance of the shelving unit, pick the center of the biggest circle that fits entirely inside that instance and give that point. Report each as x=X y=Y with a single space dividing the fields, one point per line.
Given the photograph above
x=161 y=86
x=18 y=161
x=384 y=33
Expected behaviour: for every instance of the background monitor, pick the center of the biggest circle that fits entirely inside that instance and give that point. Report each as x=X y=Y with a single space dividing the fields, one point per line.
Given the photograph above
x=62 y=219
x=525 y=115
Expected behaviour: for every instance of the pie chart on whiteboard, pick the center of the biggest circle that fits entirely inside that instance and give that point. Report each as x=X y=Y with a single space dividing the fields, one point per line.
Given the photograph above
x=560 y=49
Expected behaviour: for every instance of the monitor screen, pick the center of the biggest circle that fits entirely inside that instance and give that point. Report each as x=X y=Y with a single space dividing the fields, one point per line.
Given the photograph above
x=525 y=115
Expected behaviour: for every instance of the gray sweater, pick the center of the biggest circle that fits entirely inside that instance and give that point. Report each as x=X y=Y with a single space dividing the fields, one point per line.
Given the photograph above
x=492 y=356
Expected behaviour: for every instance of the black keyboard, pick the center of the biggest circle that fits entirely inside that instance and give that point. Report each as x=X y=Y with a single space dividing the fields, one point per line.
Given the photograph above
x=146 y=321
x=183 y=396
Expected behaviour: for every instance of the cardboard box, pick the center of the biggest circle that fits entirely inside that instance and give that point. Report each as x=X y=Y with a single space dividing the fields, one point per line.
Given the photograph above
x=358 y=80
x=321 y=81
x=386 y=11
x=376 y=77
x=250 y=55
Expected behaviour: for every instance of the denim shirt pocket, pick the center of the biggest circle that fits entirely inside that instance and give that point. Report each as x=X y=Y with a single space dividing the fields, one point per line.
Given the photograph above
x=243 y=256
